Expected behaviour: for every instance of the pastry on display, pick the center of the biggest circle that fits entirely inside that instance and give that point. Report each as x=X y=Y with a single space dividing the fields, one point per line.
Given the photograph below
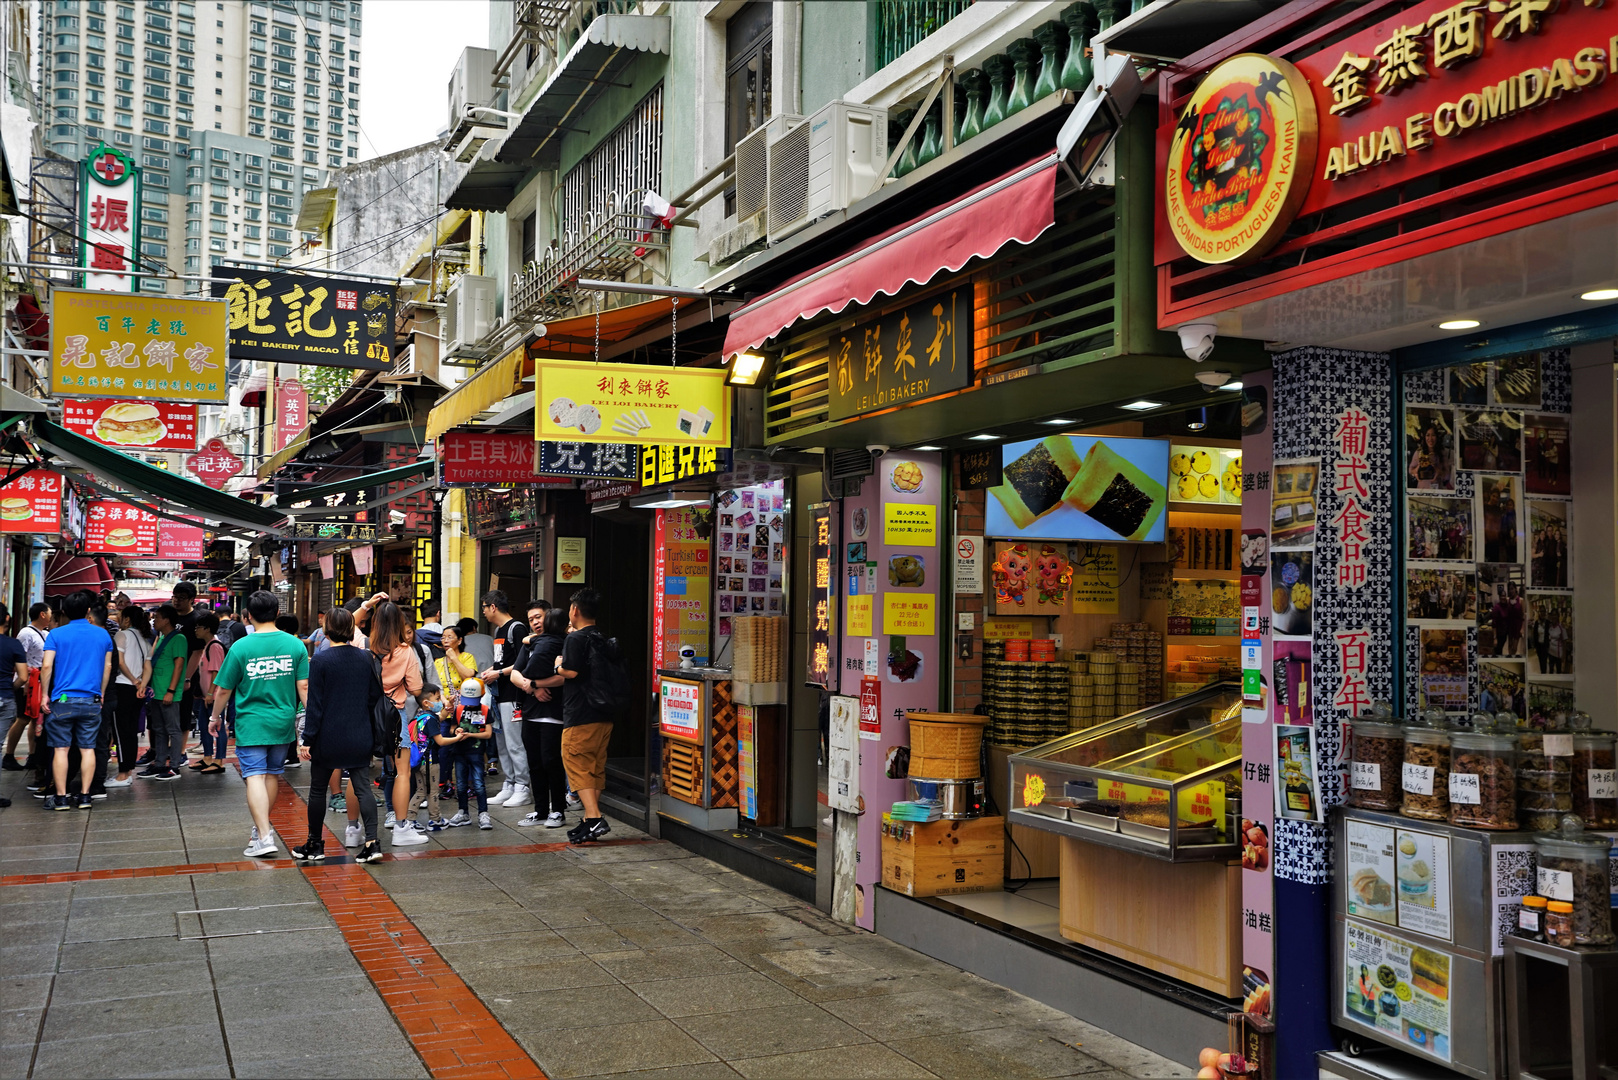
x=1116 y=493
x=1035 y=483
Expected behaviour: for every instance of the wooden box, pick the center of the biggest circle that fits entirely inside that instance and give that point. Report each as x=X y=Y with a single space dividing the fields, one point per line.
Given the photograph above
x=943 y=857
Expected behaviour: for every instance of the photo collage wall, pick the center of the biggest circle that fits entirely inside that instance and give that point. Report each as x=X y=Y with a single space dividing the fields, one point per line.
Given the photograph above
x=1488 y=522
x=749 y=556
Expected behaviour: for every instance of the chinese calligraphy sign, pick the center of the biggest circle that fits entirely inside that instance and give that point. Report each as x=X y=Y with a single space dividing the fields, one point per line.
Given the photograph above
x=486 y=457
x=145 y=347
x=110 y=213
x=305 y=319
x=918 y=352
x=822 y=617
x=645 y=403
x=215 y=464
x=32 y=503
x=117 y=528
x=605 y=461
x=147 y=425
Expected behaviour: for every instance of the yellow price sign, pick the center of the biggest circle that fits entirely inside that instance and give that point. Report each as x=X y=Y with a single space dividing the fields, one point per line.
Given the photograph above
x=909 y=525
x=907 y=613
x=859 y=616
x=154 y=348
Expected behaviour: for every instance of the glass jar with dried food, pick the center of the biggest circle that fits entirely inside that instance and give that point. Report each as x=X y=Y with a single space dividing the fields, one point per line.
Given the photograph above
x=1483 y=777
x=1531 y=918
x=1544 y=774
x=1375 y=766
x=1572 y=868
x=1594 y=783
x=1424 y=771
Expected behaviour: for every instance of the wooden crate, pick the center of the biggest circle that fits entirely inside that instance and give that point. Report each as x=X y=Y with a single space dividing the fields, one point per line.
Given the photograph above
x=682 y=770
x=944 y=857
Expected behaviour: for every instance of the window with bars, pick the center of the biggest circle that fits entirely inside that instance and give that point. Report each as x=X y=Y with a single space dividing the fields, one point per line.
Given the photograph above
x=622 y=166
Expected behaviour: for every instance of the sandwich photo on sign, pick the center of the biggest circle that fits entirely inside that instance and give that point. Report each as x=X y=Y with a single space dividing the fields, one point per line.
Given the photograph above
x=15 y=509
x=130 y=423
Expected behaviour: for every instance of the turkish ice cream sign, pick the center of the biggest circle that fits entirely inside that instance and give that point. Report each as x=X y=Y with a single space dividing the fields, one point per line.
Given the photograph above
x=110 y=215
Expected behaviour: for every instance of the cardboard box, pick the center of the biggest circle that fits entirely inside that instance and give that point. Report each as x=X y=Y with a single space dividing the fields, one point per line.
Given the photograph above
x=943 y=857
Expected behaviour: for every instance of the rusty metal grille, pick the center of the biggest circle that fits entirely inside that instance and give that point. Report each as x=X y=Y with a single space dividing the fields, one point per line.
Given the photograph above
x=612 y=179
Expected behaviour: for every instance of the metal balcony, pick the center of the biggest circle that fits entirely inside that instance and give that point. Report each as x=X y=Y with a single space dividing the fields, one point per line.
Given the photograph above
x=608 y=250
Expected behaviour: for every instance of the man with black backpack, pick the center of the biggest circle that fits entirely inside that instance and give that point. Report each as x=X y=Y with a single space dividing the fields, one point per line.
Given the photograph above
x=596 y=689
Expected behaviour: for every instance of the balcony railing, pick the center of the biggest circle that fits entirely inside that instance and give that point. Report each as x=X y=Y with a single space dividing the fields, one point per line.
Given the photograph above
x=607 y=249
x=904 y=23
x=553 y=26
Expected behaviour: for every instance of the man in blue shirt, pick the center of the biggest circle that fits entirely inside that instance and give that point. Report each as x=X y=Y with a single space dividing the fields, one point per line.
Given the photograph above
x=78 y=665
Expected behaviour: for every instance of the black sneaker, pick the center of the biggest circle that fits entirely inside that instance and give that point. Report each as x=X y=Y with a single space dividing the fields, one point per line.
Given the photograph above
x=44 y=792
x=59 y=802
x=9 y=763
x=4 y=802
x=166 y=774
x=145 y=759
x=589 y=829
x=371 y=851
x=310 y=851
x=81 y=801
x=151 y=772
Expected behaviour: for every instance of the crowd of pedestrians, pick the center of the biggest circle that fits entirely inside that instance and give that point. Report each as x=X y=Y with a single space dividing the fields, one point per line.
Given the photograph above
x=397 y=718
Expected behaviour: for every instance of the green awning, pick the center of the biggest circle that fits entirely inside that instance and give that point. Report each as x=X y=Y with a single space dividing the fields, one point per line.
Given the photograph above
x=148 y=482
x=401 y=475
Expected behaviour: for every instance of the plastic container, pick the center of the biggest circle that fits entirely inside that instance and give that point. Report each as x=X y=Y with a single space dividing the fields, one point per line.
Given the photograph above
x=1424 y=771
x=1571 y=869
x=1531 y=918
x=1483 y=776
x=1376 y=764
x=1559 y=924
x=1594 y=783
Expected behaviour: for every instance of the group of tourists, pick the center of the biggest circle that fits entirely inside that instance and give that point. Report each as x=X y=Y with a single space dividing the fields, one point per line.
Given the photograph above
x=394 y=716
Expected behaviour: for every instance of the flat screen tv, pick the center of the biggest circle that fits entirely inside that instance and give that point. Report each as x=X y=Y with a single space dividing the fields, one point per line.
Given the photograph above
x=1082 y=487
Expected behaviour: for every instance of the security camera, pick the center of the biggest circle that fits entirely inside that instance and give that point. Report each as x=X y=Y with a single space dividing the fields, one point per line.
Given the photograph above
x=876 y=449
x=1197 y=340
x=1211 y=380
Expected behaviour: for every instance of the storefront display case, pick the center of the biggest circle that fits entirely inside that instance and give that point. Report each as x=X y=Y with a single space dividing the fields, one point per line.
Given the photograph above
x=1113 y=784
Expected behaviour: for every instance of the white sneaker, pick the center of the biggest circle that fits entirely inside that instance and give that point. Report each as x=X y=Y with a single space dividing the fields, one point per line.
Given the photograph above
x=353 y=836
x=484 y=822
x=260 y=847
x=405 y=836
x=390 y=821
x=554 y=821
x=499 y=798
x=573 y=802
x=458 y=820
x=530 y=821
x=115 y=782
x=521 y=795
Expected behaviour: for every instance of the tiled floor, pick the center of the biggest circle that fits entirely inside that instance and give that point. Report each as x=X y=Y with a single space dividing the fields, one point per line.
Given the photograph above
x=149 y=946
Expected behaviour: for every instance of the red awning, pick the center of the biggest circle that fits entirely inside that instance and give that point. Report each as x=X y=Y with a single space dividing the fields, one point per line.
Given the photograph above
x=1018 y=206
x=67 y=573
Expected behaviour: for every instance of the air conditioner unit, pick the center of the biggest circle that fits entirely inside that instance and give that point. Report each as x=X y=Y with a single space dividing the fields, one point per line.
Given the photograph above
x=828 y=162
x=468 y=313
x=472 y=84
x=753 y=164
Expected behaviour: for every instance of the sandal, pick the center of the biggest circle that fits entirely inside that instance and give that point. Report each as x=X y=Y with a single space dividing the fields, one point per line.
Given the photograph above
x=209 y=770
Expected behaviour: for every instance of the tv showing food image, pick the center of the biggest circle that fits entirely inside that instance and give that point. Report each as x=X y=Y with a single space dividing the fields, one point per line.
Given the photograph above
x=130 y=423
x=1078 y=487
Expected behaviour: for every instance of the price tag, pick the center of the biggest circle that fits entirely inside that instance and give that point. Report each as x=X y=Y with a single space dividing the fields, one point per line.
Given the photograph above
x=1555 y=884
x=1367 y=776
x=1603 y=783
x=1558 y=746
x=1418 y=779
x=1528 y=920
x=1464 y=788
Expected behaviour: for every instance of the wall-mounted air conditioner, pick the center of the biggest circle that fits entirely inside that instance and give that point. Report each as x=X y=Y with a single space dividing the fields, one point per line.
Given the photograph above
x=752 y=168
x=468 y=313
x=472 y=85
x=826 y=163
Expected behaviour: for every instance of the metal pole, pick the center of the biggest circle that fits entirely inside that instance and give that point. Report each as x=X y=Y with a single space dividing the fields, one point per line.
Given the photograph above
x=637 y=287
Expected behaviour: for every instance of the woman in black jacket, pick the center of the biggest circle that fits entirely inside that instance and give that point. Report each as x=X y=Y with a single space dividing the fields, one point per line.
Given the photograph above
x=343 y=688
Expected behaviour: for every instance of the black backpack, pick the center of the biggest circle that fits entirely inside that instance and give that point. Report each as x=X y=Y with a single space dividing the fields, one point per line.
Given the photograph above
x=607 y=688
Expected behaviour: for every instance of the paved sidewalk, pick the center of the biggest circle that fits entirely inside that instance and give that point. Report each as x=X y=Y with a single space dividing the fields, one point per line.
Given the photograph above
x=635 y=958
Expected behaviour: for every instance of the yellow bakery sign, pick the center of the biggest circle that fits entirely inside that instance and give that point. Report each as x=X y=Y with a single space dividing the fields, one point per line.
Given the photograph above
x=152 y=348
x=577 y=401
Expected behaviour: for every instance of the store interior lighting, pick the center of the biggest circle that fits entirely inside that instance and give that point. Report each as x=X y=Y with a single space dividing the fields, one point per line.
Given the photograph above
x=924 y=449
x=1142 y=405
x=1196 y=419
x=1233 y=385
x=671 y=500
x=1059 y=421
x=1599 y=294
x=1460 y=324
x=748 y=369
x=983 y=437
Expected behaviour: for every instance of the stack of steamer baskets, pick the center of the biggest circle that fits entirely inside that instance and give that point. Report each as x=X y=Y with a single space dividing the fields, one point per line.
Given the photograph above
x=1026 y=690
x=946 y=754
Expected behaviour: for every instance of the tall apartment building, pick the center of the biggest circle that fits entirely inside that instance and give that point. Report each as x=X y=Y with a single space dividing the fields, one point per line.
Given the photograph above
x=233 y=109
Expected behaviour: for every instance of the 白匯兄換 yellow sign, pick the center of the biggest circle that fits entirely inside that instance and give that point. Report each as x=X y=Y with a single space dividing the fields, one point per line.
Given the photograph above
x=578 y=401
x=161 y=348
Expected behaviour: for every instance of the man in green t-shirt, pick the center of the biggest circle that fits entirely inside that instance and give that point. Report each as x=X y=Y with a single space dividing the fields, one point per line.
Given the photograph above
x=268 y=671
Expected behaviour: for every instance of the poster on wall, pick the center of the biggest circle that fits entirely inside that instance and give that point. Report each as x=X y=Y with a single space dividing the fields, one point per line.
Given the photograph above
x=1205 y=474
x=1081 y=487
x=680 y=568
x=1031 y=579
x=1297 y=792
x=1369 y=873
x=1397 y=987
x=751 y=536
x=570 y=560
x=1292 y=504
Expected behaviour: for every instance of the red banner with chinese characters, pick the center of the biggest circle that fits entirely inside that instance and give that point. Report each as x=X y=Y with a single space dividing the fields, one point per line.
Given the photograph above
x=32 y=503
x=291 y=411
x=215 y=464
x=184 y=542
x=417 y=507
x=487 y=457
x=116 y=528
x=132 y=425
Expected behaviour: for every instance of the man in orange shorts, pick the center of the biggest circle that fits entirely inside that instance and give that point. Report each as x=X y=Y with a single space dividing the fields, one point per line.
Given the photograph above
x=586 y=726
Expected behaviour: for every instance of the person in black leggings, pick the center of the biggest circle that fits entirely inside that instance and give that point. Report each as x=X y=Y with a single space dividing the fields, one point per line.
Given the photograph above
x=542 y=718
x=132 y=664
x=343 y=689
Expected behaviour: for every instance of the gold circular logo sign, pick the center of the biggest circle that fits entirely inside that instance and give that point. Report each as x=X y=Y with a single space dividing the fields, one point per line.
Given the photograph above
x=1240 y=159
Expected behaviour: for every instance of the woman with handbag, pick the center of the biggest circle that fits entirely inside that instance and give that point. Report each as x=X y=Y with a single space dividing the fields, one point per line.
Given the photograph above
x=400 y=674
x=344 y=689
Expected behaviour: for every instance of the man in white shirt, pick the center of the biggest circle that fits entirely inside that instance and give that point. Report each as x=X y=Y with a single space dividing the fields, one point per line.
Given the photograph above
x=32 y=640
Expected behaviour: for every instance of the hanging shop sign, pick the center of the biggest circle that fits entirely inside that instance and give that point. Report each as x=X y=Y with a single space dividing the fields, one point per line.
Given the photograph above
x=150 y=347
x=664 y=464
x=183 y=542
x=309 y=319
x=144 y=425
x=330 y=531
x=822 y=664
x=291 y=411
x=214 y=464
x=601 y=491
x=109 y=194
x=603 y=403
x=980 y=469
x=117 y=528
x=601 y=461
x=485 y=457
x=1240 y=159
x=916 y=352
x=32 y=503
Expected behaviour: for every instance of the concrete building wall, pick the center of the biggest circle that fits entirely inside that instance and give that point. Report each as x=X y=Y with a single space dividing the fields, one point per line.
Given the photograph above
x=385 y=206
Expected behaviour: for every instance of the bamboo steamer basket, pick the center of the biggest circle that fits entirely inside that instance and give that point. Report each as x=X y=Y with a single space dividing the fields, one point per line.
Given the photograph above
x=946 y=746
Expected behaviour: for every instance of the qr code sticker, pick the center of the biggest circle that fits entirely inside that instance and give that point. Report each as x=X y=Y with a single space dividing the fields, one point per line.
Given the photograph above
x=1513 y=879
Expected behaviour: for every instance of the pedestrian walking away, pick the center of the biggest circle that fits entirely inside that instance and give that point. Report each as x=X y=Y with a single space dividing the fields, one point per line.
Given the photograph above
x=164 y=728
x=212 y=761
x=132 y=647
x=267 y=674
x=509 y=633
x=77 y=669
x=343 y=689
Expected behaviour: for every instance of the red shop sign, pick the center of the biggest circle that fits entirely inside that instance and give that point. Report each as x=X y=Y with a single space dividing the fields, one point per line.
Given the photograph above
x=116 y=528
x=184 y=542
x=32 y=503
x=291 y=411
x=487 y=457
x=132 y=425
x=215 y=464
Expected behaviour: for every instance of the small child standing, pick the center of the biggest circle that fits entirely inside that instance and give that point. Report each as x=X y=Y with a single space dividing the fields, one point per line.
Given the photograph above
x=422 y=733
x=463 y=736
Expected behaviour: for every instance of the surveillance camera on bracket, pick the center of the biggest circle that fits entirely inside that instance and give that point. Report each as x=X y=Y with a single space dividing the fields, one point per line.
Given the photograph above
x=1197 y=340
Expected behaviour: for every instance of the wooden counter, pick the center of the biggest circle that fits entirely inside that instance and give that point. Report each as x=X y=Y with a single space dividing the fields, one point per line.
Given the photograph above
x=1182 y=920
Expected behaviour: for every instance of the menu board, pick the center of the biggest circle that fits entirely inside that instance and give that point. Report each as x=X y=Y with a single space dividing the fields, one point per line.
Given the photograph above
x=750 y=556
x=32 y=503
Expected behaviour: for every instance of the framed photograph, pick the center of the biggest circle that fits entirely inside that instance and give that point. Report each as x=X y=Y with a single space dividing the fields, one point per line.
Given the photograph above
x=1430 y=448
x=1517 y=382
x=1469 y=384
x=1500 y=509
x=1550 y=633
x=1548 y=533
x=1501 y=610
x=1443 y=669
x=724 y=541
x=1546 y=699
x=1292 y=504
x=1501 y=688
x=1292 y=592
x=1441 y=595
x=724 y=564
x=724 y=605
x=724 y=624
x=1546 y=465
x=1439 y=529
x=1490 y=440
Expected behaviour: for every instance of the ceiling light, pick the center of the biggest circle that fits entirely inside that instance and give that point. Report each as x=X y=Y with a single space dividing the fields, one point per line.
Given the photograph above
x=984 y=437
x=1059 y=421
x=926 y=448
x=1234 y=384
x=1460 y=324
x=671 y=500
x=1196 y=420
x=1600 y=294
x=1142 y=405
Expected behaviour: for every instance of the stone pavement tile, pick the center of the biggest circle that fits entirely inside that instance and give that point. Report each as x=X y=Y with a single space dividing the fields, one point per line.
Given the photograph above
x=786 y=1029
x=510 y=949
x=902 y=1015
x=255 y=918
x=302 y=966
x=151 y=905
x=124 y=1016
x=651 y=934
x=676 y=962
x=352 y=996
x=28 y=959
x=714 y=902
x=556 y=973
x=1120 y=1054
x=35 y=920
x=86 y=955
x=889 y=956
x=279 y=1039
x=123 y=927
x=708 y=1070
x=594 y=1051
x=849 y=986
x=438 y=901
x=597 y=911
x=403 y=1064
x=24 y=991
x=866 y=1060
x=20 y=1027
x=132 y=860
x=197 y=1045
x=1012 y=1053
x=676 y=998
x=134 y=886
x=810 y=963
x=475 y=925
x=623 y=853
x=108 y=831
x=761 y=925
x=39 y=866
x=115 y=844
x=105 y=984
x=551 y=1010
x=22 y=852
x=35 y=894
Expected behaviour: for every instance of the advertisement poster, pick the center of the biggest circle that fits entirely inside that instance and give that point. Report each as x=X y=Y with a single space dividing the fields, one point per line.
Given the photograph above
x=684 y=596
x=1081 y=487
x=680 y=709
x=144 y=425
x=1258 y=747
x=843 y=755
x=747 y=758
x=1205 y=474
x=614 y=403
x=1397 y=987
x=1370 y=872
x=1424 y=883
x=187 y=543
x=151 y=347
x=116 y=528
x=870 y=708
x=1095 y=579
x=291 y=411
x=1297 y=795
x=570 y=560
x=859 y=616
x=750 y=533
x=32 y=503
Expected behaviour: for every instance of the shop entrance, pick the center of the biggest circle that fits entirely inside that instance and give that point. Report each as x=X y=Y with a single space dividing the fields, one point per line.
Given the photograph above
x=618 y=568
x=511 y=570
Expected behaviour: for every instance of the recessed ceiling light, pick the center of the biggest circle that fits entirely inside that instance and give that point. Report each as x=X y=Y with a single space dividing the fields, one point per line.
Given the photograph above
x=1600 y=294
x=1460 y=324
x=926 y=448
x=1142 y=405
x=985 y=437
x=1059 y=421
x=1234 y=384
